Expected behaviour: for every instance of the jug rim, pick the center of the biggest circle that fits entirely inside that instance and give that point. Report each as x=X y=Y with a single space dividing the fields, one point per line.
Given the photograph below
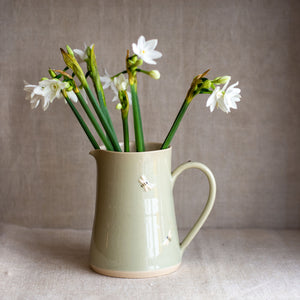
x=150 y=147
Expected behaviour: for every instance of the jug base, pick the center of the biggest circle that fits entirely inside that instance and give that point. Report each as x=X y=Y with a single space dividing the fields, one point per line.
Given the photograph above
x=135 y=274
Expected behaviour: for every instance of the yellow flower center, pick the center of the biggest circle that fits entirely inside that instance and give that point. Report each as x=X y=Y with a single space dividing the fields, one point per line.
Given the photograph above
x=54 y=86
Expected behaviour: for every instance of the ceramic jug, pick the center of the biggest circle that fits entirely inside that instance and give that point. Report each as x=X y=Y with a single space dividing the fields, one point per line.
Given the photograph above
x=135 y=233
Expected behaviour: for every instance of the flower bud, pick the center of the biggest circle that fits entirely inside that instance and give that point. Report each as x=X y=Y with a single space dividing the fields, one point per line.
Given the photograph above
x=138 y=63
x=69 y=50
x=88 y=51
x=72 y=63
x=221 y=79
x=154 y=74
x=206 y=84
x=119 y=106
x=132 y=60
x=68 y=87
x=52 y=73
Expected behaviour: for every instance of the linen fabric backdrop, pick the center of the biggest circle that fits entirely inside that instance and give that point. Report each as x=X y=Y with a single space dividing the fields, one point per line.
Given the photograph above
x=48 y=178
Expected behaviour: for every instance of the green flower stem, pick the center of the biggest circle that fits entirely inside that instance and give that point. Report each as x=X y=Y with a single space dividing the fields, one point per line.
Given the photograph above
x=103 y=120
x=125 y=133
x=82 y=123
x=138 y=128
x=72 y=63
x=194 y=89
x=123 y=72
x=142 y=71
x=94 y=74
x=100 y=132
x=124 y=107
x=175 y=125
x=100 y=96
x=103 y=107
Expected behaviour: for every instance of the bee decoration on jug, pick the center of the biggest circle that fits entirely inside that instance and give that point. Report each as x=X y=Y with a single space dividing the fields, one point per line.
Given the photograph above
x=145 y=184
x=168 y=239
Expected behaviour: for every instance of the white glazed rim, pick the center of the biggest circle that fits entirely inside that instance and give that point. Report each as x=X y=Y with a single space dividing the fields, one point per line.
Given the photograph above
x=151 y=147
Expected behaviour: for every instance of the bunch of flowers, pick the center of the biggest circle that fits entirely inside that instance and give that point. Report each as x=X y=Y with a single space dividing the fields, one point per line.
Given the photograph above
x=124 y=85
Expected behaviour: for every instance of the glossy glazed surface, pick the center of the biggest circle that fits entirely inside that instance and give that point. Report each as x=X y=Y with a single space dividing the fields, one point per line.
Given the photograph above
x=135 y=226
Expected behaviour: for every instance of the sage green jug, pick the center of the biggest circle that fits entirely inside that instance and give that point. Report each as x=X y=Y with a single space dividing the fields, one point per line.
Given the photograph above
x=135 y=233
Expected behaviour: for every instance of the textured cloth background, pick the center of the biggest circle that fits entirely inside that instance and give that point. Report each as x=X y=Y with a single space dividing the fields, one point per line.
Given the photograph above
x=47 y=178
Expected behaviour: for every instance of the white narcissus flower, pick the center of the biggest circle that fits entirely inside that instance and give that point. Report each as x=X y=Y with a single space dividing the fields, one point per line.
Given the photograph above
x=224 y=99
x=52 y=89
x=145 y=50
x=45 y=92
x=81 y=55
x=121 y=84
x=34 y=93
x=108 y=82
x=232 y=96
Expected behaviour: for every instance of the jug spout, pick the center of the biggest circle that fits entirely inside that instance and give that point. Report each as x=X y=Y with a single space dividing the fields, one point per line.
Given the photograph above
x=93 y=153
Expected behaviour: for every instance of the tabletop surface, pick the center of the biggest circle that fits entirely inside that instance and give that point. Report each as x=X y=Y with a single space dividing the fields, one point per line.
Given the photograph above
x=219 y=264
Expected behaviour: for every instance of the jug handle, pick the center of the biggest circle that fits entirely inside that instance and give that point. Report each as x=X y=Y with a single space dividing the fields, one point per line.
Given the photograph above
x=209 y=204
